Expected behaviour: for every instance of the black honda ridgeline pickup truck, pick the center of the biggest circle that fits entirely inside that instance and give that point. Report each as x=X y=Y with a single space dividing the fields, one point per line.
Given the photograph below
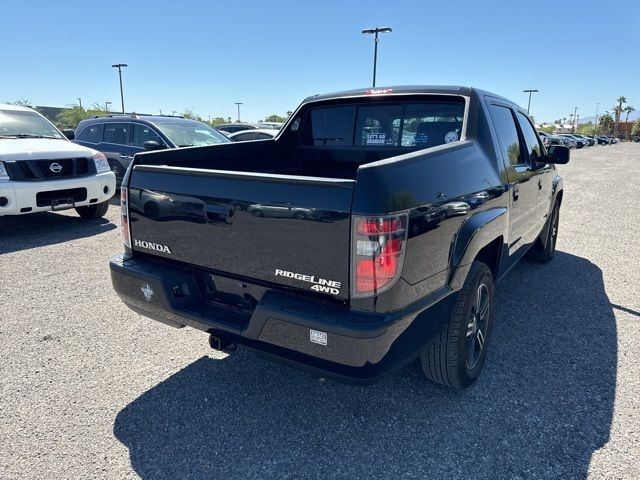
x=369 y=232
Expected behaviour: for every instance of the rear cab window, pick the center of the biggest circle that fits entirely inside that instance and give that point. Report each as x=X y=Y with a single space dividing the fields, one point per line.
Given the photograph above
x=394 y=124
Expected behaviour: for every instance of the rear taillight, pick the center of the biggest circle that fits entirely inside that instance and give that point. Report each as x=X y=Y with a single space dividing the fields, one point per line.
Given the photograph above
x=124 y=216
x=377 y=253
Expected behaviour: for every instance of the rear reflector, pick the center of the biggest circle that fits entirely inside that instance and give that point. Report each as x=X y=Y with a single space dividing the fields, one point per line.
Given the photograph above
x=124 y=216
x=377 y=253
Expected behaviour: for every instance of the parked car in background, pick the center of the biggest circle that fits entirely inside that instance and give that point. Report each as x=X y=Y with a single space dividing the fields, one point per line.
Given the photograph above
x=602 y=140
x=256 y=134
x=548 y=139
x=585 y=139
x=120 y=137
x=273 y=125
x=579 y=143
x=41 y=170
x=235 y=127
x=570 y=141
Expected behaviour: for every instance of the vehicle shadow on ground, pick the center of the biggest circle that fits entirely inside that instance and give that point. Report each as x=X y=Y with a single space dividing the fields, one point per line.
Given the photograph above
x=39 y=229
x=543 y=405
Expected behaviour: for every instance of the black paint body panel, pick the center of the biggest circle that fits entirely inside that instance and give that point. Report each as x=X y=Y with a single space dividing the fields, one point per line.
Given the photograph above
x=235 y=213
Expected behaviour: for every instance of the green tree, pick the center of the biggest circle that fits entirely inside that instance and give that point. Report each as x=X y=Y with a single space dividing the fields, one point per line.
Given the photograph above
x=191 y=115
x=586 y=128
x=628 y=109
x=548 y=129
x=217 y=121
x=23 y=102
x=275 y=118
x=635 y=130
x=606 y=124
x=71 y=116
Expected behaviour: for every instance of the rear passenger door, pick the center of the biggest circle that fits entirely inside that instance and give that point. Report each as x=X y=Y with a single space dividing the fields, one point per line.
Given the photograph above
x=542 y=170
x=117 y=138
x=522 y=180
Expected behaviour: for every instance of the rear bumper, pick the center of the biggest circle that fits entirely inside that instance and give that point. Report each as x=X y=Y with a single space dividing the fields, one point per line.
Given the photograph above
x=22 y=196
x=360 y=347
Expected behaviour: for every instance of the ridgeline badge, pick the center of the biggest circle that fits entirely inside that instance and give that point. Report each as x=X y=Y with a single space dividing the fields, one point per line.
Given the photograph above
x=319 y=285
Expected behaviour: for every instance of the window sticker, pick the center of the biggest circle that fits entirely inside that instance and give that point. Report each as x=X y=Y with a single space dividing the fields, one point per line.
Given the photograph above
x=422 y=139
x=376 y=139
x=451 y=137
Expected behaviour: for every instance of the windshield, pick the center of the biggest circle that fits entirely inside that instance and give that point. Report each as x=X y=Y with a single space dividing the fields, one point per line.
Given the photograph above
x=25 y=124
x=191 y=134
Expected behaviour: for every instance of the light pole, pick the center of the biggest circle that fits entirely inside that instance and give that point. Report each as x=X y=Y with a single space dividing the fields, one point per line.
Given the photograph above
x=80 y=102
x=573 y=127
x=375 y=31
x=597 y=107
x=106 y=106
x=119 y=67
x=238 y=104
x=529 y=104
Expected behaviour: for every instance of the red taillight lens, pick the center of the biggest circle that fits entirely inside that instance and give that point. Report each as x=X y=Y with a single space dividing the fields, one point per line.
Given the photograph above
x=378 y=253
x=124 y=216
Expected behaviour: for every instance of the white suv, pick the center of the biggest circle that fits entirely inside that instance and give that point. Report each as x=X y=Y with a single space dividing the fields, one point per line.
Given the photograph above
x=40 y=170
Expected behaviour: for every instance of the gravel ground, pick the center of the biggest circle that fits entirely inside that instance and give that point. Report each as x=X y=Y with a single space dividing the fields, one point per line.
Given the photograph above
x=89 y=389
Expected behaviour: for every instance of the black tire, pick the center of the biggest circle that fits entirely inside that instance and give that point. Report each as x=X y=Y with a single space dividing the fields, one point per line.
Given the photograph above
x=117 y=169
x=543 y=252
x=300 y=215
x=93 y=211
x=456 y=356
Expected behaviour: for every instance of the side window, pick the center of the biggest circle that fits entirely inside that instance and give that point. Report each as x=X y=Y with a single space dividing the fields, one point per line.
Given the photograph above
x=144 y=133
x=116 y=133
x=507 y=132
x=91 y=134
x=429 y=125
x=263 y=136
x=534 y=149
x=245 y=137
x=331 y=126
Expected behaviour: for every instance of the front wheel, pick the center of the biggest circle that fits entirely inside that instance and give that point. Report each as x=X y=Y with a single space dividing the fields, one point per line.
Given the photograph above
x=93 y=211
x=456 y=356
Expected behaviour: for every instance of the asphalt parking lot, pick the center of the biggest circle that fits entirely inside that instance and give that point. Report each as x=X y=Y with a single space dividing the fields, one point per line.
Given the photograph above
x=88 y=389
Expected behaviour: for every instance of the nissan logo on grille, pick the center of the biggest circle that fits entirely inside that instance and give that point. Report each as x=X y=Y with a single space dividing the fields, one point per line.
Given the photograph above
x=55 y=167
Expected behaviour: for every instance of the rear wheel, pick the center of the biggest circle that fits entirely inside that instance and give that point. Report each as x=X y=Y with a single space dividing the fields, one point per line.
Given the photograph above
x=456 y=356
x=93 y=211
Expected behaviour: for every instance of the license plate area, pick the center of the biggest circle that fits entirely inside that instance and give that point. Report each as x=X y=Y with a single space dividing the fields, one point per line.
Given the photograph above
x=228 y=292
x=56 y=199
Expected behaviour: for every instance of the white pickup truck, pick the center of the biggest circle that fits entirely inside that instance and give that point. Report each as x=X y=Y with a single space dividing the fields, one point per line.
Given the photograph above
x=41 y=170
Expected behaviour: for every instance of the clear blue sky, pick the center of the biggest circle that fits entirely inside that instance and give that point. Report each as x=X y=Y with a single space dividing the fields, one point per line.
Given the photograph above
x=270 y=54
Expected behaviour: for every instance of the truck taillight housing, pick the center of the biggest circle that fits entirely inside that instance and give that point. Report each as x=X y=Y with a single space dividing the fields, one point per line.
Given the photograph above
x=124 y=216
x=378 y=247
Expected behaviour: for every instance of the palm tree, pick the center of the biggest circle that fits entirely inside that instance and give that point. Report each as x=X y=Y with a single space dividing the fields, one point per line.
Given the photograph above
x=628 y=109
x=617 y=110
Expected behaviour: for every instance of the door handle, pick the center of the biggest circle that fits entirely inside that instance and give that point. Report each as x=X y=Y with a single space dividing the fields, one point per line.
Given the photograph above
x=540 y=184
x=516 y=192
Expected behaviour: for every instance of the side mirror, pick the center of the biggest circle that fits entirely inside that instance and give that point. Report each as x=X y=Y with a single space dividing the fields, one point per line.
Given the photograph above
x=151 y=145
x=558 y=154
x=69 y=133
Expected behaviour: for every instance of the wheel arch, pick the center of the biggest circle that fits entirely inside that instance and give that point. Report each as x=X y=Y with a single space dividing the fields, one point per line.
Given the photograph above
x=481 y=237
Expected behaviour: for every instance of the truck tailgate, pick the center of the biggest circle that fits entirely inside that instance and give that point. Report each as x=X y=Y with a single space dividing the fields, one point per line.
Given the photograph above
x=281 y=229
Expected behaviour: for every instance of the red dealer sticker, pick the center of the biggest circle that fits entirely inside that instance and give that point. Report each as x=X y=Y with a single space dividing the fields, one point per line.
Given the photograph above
x=379 y=91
